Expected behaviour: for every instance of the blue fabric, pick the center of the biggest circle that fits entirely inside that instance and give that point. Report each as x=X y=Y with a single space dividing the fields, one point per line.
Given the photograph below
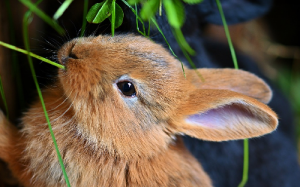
x=235 y=11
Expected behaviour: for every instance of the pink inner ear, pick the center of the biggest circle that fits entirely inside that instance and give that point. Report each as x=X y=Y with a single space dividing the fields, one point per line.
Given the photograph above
x=226 y=116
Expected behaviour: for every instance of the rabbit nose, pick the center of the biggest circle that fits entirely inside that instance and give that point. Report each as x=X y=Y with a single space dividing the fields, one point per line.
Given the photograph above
x=65 y=59
x=69 y=54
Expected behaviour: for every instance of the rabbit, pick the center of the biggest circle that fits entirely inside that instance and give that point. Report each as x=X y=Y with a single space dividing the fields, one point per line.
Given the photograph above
x=118 y=110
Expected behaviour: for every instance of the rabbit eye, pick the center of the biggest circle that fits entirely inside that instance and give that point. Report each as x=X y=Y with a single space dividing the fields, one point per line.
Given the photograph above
x=127 y=88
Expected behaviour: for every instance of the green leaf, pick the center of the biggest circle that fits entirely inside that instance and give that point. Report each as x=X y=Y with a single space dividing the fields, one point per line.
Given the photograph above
x=192 y=1
x=181 y=41
x=175 y=12
x=119 y=16
x=132 y=2
x=99 y=12
x=149 y=9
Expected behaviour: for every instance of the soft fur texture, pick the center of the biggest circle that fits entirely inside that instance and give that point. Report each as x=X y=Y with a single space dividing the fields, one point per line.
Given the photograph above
x=109 y=139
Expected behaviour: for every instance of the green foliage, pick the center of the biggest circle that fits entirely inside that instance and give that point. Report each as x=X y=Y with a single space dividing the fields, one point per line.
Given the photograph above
x=107 y=9
x=227 y=35
x=137 y=19
x=62 y=9
x=85 y=8
x=119 y=16
x=155 y=23
x=193 y=1
x=182 y=42
x=149 y=9
x=175 y=12
x=32 y=7
x=133 y=2
x=31 y=54
x=113 y=17
x=99 y=12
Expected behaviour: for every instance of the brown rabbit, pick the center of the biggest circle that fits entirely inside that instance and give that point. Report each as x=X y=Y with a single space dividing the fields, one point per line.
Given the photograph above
x=116 y=112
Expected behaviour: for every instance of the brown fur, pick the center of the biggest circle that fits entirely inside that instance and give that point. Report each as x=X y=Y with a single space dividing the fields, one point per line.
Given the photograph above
x=108 y=139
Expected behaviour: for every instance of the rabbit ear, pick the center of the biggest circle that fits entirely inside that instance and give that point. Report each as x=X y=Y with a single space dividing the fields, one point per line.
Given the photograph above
x=219 y=115
x=235 y=80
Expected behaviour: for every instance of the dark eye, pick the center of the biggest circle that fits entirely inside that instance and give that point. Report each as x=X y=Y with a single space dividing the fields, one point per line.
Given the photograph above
x=127 y=88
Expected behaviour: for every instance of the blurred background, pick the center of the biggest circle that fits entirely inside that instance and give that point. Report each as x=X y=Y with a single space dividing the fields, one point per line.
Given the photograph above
x=272 y=41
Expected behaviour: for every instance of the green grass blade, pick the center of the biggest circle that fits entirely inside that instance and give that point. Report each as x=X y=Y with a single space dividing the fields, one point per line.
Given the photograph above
x=3 y=97
x=186 y=54
x=113 y=18
x=43 y=16
x=160 y=8
x=227 y=35
x=62 y=9
x=85 y=9
x=246 y=163
x=246 y=141
x=31 y=54
x=180 y=39
x=26 y=42
x=190 y=61
x=158 y=28
x=138 y=17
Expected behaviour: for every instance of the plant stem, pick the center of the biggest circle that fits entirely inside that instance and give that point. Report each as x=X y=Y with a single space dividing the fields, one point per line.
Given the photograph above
x=43 y=16
x=31 y=54
x=227 y=35
x=26 y=42
x=246 y=142
x=85 y=8
x=113 y=18
x=246 y=164
x=158 y=28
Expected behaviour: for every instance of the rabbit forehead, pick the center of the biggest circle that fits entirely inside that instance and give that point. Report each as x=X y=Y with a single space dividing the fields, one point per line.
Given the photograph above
x=129 y=50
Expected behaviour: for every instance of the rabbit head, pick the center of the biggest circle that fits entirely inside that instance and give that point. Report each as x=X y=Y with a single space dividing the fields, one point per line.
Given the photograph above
x=130 y=97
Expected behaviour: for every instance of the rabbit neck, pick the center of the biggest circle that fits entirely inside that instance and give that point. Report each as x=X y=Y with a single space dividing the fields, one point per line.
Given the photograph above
x=173 y=167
